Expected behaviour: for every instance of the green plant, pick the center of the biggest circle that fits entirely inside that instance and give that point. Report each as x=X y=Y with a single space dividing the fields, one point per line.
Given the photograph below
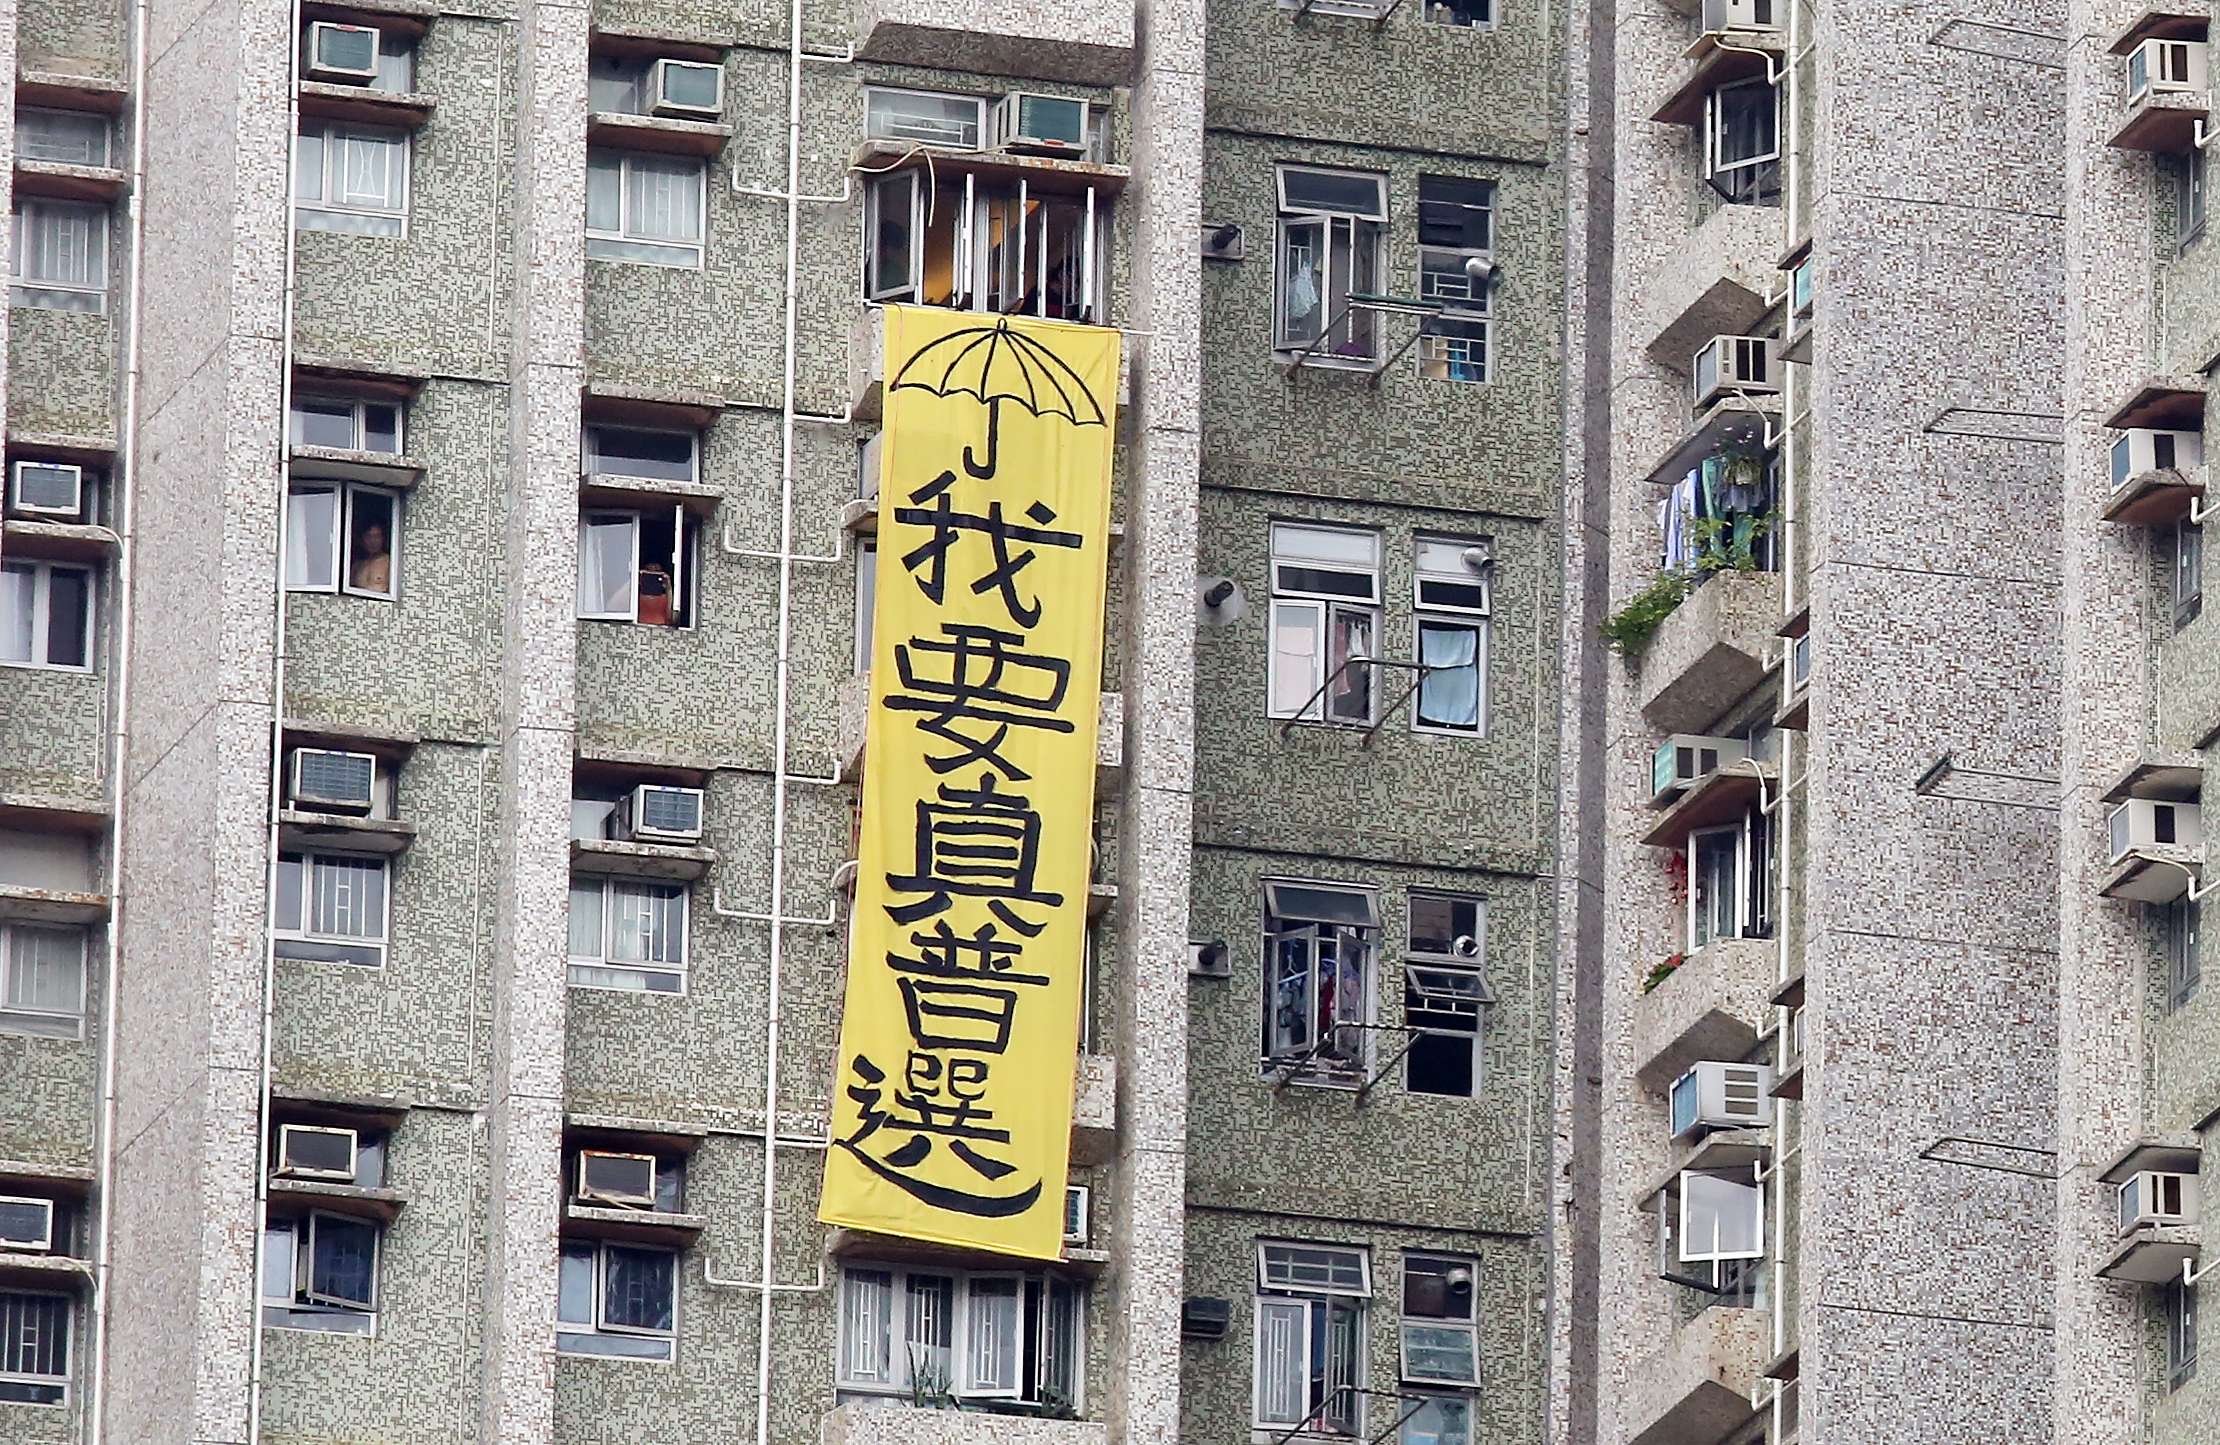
x=1629 y=629
x=1716 y=544
x=1663 y=970
x=930 y=1386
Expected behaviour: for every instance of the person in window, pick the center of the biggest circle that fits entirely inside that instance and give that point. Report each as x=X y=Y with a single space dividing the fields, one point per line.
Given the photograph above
x=373 y=571
x=655 y=595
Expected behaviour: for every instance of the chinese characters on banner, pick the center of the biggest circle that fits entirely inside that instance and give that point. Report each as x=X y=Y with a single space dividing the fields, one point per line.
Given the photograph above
x=960 y=1031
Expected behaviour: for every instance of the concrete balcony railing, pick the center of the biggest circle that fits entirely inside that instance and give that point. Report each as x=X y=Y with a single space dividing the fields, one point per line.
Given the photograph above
x=895 y=1423
x=1713 y=284
x=1697 y=1390
x=1086 y=42
x=1712 y=1007
x=1711 y=650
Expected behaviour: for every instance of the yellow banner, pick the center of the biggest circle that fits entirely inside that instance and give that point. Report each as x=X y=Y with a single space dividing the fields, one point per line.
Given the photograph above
x=959 y=1037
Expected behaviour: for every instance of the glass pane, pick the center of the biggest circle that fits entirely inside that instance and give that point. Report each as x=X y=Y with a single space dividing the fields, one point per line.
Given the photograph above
x=69 y=137
x=381 y=427
x=574 y=1286
x=347 y=898
x=585 y=917
x=1282 y=1361
x=308 y=166
x=1445 y=924
x=893 y=201
x=1453 y=211
x=1296 y=650
x=1302 y=282
x=639 y=1288
x=1314 y=903
x=1288 y=1017
x=1344 y=1347
x=343 y=1261
x=289 y=892
x=1061 y=1343
x=632 y=452
x=323 y=422
x=866 y=1334
x=604 y=194
x=18 y=592
x=993 y=1326
x=1449 y=694
x=277 y=1264
x=312 y=535
x=370 y=534
x=68 y=600
x=613 y=85
x=1442 y=1420
x=1358 y=194
x=46 y=970
x=1318 y=1267
x=939 y=120
x=1350 y=685
x=369 y=171
x=663 y=199
x=1444 y=1354
x=929 y=1335
x=647 y=923
x=606 y=582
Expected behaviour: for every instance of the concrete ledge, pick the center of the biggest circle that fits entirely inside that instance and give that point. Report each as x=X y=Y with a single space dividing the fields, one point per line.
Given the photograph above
x=898 y=1423
x=1711 y=1007
x=1710 y=651
x=1085 y=42
x=1094 y=1111
x=2153 y=1254
x=1696 y=1391
x=1713 y=283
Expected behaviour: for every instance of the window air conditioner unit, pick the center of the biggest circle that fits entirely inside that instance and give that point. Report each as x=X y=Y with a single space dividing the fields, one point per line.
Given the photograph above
x=26 y=1225
x=685 y=88
x=2148 y=823
x=1204 y=1317
x=325 y=781
x=1075 y=1214
x=653 y=813
x=624 y=1180
x=2155 y=1197
x=1739 y=15
x=1720 y=1096
x=1049 y=124
x=2159 y=66
x=1686 y=758
x=2141 y=449
x=1209 y=958
x=342 y=52
x=1729 y=364
x=46 y=489
x=316 y=1151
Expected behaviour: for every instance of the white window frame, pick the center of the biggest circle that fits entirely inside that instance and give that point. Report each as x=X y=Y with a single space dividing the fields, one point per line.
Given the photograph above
x=93 y=122
x=42 y=603
x=603 y=1326
x=1362 y=226
x=894 y=1333
x=1313 y=1065
x=293 y=1307
x=16 y=1020
x=45 y=293
x=591 y=458
x=296 y=429
x=1693 y=1249
x=1305 y=1300
x=1468 y=1327
x=685 y=566
x=1421 y=961
x=682 y=255
x=342 y=542
x=68 y=1338
x=331 y=135
x=300 y=932
x=681 y=972
x=980 y=274
x=1714 y=135
x=1489 y=22
x=1323 y=608
x=1747 y=915
x=1435 y=612
x=1465 y=303
x=978 y=125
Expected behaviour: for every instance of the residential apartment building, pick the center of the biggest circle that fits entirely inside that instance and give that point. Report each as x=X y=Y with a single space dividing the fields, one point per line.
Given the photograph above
x=438 y=571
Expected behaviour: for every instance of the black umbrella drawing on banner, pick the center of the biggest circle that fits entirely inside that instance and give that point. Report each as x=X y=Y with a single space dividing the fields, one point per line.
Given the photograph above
x=997 y=365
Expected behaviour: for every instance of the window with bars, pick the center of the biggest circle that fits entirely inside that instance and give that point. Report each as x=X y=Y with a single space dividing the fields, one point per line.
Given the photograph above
x=936 y=1335
x=332 y=908
x=350 y=178
x=34 y=1347
x=59 y=260
x=627 y=933
x=1311 y=1304
x=1456 y=251
x=42 y=980
x=650 y=209
x=1445 y=992
x=975 y=243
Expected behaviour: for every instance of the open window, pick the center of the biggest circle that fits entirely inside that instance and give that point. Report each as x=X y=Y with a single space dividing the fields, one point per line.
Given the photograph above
x=638 y=566
x=1311 y=1304
x=1320 y=944
x=1456 y=266
x=2180 y=922
x=320 y=1272
x=1711 y=1232
x=1731 y=880
x=342 y=537
x=1325 y=622
x=1014 y=244
x=1331 y=244
x=2181 y=1334
x=616 y=1299
x=2189 y=572
x=1445 y=993
x=46 y=615
x=944 y=1336
x=1742 y=141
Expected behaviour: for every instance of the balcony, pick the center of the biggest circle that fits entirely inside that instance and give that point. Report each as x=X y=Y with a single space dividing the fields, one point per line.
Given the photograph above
x=1713 y=284
x=1711 y=1007
x=1086 y=43
x=1710 y=651
x=896 y=1424
x=1698 y=1389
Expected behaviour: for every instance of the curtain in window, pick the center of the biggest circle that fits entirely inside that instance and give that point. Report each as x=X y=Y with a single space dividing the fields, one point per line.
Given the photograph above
x=1302 y=283
x=347 y=899
x=638 y=1288
x=645 y=923
x=1295 y=652
x=1450 y=696
x=604 y=194
x=62 y=246
x=18 y=594
x=585 y=917
x=46 y=970
x=1349 y=696
x=312 y=538
x=606 y=580
x=663 y=198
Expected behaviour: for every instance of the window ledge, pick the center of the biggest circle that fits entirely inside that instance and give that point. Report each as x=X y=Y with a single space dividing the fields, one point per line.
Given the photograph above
x=98 y=185
x=60 y=541
x=1797 y=347
x=656 y=133
x=51 y=813
x=605 y=489
x=1719 y=797
x=61 y=91
x=2157 y=874
x=2153 y=1254
x=75 y=1180
x=641 y=860
x=385 y=469
x=2163 y=123
x=1788 y=1083
x=1713 y=65
x=51 y=905
x=50 y=1270
x=1730 y=421
x=1725 y=1151
x=407 y=17
x=405 y=109
x=635 y=1226
x=2152 y=499
x=294 y=1197
x=1042 y=172
x=1795 y=713
x=388 y=836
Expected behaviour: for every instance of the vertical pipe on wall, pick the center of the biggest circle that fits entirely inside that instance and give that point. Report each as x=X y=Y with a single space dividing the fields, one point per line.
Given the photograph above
x=124 y=482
